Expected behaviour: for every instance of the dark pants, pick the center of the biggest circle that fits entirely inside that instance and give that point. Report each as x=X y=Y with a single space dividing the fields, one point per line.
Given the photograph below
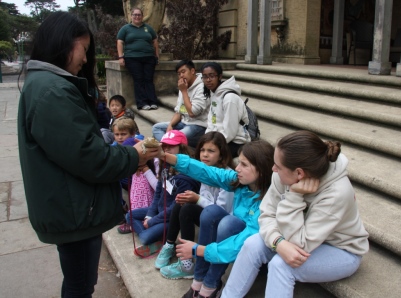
x=79 y=262
x=183 y=218
x=142 y=71
x=234 y=147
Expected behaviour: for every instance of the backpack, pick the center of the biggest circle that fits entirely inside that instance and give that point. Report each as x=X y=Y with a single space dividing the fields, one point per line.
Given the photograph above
x=253 y=126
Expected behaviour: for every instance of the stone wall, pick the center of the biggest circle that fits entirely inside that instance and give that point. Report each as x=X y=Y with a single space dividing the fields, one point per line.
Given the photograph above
x=119 y=80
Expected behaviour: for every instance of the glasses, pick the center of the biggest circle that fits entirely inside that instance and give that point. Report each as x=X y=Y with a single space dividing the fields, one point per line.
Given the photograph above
x=209 y=77
x=136 y=15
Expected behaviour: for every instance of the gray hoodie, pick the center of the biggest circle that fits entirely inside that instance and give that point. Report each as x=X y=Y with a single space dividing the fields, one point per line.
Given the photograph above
x=226 y=112
x=329 y=215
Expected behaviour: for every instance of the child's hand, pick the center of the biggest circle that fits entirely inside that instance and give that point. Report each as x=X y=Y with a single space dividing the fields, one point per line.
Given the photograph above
x=305 y=186
x=292 y=254
x=145 y=223
x=187 y=197
x=184 y=250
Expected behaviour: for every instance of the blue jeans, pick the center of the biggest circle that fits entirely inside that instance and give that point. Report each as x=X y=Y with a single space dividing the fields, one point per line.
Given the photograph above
x=147 y=236
x=79 y=262
x=215 y=226
x=326 y=263
x=142 y=70
x=192 y=132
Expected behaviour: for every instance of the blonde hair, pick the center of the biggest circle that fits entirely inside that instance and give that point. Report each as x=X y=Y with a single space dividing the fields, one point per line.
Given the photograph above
x=125 y=123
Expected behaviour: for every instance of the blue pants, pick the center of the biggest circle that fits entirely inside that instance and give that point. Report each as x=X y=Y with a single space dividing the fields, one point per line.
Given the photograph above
x=215 y=226
x=192 y=132
x=79 y=262
x=326 y=263
x=147 y=236
x=142 y=70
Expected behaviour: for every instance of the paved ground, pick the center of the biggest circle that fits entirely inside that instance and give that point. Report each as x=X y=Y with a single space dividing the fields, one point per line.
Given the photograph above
x=30 y=268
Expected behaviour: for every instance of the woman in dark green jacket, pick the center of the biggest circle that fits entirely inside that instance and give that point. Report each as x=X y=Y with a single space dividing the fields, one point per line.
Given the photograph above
x=71 y=176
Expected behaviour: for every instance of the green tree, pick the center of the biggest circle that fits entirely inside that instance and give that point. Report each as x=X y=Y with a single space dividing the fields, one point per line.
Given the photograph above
x=12 y=9
x=40 y=9
x=6 y=48
x=5 y=33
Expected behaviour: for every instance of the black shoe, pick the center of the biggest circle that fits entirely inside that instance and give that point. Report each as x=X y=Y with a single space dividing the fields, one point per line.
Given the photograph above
x=191 y=294
x=216 y=293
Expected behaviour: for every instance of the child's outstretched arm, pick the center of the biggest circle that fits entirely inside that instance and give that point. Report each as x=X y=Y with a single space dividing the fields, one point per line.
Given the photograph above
x=168 y=157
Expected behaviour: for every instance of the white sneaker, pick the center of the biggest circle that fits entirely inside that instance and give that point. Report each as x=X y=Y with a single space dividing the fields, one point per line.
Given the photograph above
x=146 y=107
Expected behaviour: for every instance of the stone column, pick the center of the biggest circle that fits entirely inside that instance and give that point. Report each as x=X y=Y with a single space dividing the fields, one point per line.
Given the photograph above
x=338 y=25
x=252 y=32
x=381 y=41
x=265 y=33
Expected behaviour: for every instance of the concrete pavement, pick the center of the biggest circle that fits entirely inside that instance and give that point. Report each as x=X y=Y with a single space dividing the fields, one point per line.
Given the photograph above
x=30 y=268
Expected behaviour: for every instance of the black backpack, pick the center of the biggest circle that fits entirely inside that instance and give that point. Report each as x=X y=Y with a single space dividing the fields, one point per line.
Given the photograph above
x=253 y=126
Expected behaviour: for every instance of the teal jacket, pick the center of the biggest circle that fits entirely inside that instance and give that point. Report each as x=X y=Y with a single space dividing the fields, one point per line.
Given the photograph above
x=245 y=206
x=71 y=176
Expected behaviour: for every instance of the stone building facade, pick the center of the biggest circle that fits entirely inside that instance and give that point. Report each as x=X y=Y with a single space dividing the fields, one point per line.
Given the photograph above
x=311 y=31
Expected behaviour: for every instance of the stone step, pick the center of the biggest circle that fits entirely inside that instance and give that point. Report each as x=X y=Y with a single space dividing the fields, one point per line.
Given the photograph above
x=327 y=72
x=381 y=266
x=365 y=168
x=339 y=88
x=372 y=111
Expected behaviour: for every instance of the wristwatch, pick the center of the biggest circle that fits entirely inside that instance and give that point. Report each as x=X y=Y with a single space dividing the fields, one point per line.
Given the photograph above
x=194 y=250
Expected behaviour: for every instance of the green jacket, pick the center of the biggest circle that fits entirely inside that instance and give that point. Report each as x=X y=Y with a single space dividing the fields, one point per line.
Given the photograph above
x=71 y=176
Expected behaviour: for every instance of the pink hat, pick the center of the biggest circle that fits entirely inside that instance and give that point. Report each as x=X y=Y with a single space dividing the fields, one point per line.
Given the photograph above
x=174 y=137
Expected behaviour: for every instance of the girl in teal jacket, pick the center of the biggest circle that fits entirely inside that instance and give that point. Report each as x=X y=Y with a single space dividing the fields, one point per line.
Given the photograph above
x=222 y=235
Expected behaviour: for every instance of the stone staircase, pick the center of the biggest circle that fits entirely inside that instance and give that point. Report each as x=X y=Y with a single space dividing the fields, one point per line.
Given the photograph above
x=361 y=111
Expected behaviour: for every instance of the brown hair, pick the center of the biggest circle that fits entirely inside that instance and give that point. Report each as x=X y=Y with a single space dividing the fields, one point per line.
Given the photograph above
x=125 y=123
x=304 y=149
x=136 y=8
x=183 y=149
x=220 y=142
x=261 y=155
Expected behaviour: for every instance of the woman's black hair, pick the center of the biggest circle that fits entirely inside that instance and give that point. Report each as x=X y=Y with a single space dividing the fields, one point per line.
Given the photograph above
x=217 y=67
x=54 y=40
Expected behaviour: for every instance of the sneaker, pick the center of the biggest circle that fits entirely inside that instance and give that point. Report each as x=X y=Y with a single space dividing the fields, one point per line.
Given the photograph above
x=146 y=107
x=148 y=250
x=216 y=294
x=177 y=271
x=191 y=293
x=124 y=229
x=163 y=259
x=154 y=107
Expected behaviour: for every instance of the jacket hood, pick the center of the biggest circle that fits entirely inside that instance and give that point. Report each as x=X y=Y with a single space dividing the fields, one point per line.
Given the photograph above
x=40 y=65
x=80 y=83
x=197 y=81
x=337 y=170
x=228 y=85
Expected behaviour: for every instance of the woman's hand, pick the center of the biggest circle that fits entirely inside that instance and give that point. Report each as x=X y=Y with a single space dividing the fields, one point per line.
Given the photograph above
x=121 y=61
x=184 y=250
x=305 y=186
x=292 y=254
x=149 y=154
x=187 y=197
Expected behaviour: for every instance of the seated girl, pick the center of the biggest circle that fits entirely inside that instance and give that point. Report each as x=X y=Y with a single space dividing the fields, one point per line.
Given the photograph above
x=148 y=222
x=221 y=234
x=310 y=229
x=212 y=150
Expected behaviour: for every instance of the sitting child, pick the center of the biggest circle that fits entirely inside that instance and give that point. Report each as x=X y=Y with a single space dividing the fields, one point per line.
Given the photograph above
x=122 y=129
x=143 y=186
x=221 y=235
x=117 y=108
x=212 y=150
x=148 y=222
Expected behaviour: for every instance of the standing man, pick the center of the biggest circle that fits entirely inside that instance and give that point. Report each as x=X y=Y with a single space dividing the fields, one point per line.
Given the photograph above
x=192 y=106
